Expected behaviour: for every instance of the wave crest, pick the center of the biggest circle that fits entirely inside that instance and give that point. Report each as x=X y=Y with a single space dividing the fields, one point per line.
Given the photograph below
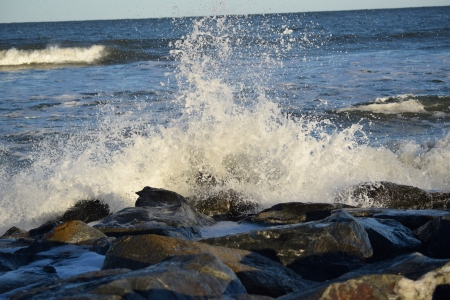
x=53 y=55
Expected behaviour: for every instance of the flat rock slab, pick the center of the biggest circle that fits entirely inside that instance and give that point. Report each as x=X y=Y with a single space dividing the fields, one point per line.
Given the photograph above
x=257 y=273
x=295 y=212
x=185 y=277
x=317 y=251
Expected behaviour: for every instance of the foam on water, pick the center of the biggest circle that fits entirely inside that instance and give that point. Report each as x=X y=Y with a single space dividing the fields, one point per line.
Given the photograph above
x=225 y=139
x=52 y=55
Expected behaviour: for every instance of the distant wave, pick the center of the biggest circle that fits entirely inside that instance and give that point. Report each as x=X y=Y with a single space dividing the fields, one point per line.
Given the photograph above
x=53 y=55
x=404 y=104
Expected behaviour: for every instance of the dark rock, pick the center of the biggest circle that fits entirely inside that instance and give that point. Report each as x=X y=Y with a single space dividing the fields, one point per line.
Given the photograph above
x=388 y=238
x=185 y=277
x=295 y=212
x=224 y=205
x=168 y=221
x=21 y=278
x=43 y=229
x=86 y=211
x=435 y=236
x=257 y=273
x=15 y=232
x=391 y=195
x=317 y=251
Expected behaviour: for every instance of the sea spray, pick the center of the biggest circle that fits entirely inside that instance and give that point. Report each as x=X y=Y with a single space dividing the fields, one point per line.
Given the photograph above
x=228 y=133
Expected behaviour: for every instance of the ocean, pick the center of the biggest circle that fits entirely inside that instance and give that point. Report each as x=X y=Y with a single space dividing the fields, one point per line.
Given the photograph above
x=278 y=107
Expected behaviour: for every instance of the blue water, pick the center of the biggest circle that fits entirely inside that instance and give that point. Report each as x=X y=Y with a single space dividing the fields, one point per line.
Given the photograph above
x=286 y=107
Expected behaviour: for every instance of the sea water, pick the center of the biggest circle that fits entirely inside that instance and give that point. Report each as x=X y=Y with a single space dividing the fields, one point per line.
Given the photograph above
x=278 y=107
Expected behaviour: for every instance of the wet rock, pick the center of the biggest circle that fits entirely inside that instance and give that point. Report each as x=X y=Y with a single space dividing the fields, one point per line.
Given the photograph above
x=15 y=232
x=388 y=238
x=391 y=195
x=29 y=276
x=295 y=212
x=86 y=211
x=257 y=273
x=435 y=236
x=166 y=220
x=317 y=251
x=43 y=229
x=224 y=205
x=183 y=277
x=72 y=232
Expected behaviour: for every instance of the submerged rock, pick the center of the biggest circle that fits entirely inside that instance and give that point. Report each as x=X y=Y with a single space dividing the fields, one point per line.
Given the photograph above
x=29 y=276
x=257 y=273
x=295 y=212
x=388 y=238
x=317 y=251
x=392 y=195
x=224 y=205
x=186 y=277
x=86 y=211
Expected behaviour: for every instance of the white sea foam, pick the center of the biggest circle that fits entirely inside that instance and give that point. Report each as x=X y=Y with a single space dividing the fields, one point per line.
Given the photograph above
x=52 y=55
x=404 y=104
x=250 y=147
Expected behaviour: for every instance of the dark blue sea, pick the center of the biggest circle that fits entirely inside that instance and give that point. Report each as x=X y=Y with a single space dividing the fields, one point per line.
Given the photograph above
x=279 y=107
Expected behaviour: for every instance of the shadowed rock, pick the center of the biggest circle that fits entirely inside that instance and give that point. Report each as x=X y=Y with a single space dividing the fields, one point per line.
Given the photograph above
x=186 y=277
x=86 y=211
x=295 y=212
x=257 y=273
x=435 y=236
x=316 y=250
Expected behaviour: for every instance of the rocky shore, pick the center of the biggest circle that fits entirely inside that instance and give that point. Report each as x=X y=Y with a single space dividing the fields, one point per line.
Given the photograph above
x=396 y=247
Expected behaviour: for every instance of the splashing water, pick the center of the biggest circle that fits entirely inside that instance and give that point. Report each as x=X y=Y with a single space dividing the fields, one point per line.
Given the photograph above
x=231 y=135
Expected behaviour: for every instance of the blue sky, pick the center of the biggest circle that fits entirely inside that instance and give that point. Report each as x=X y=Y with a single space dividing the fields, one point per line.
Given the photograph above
x=65 y=10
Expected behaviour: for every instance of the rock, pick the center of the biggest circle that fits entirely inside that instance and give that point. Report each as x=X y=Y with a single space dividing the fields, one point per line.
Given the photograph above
x=380 y=287
x=435 y=236
x=72 y=232
x=86 y=211
x=184 y=277
x=391 y=195
x=295 y=212
x=43 y=229
x=167 y=221
x=388 y=238
x=224 y=205
x=317 y=251
x=257 y=273
x=15 y=232
x=409 y=218
x=21 y=278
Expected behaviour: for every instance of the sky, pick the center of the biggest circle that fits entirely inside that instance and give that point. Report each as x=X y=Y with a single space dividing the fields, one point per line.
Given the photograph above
x=70 y=10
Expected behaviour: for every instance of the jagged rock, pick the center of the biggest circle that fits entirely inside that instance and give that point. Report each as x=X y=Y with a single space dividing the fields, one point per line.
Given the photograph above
x=86 y=211
x=167 y=221
x=388 y=238
x=257 y=273
x=72 y=232
x=391 y=195
x=435 y=236
x=224 y=205
x=184 y=277
x=295 y=212
x=317 y=251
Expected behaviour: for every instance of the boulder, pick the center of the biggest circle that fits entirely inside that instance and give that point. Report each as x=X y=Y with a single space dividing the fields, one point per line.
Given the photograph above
x=295 y=212
x=392 y=195
x=184 y=277
x=72 y=232
x=257 y=273
x=29 y=276
x=224 y=205
x=318 y=251
x=86 y=211
x=388 y=238
x=435 y=236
